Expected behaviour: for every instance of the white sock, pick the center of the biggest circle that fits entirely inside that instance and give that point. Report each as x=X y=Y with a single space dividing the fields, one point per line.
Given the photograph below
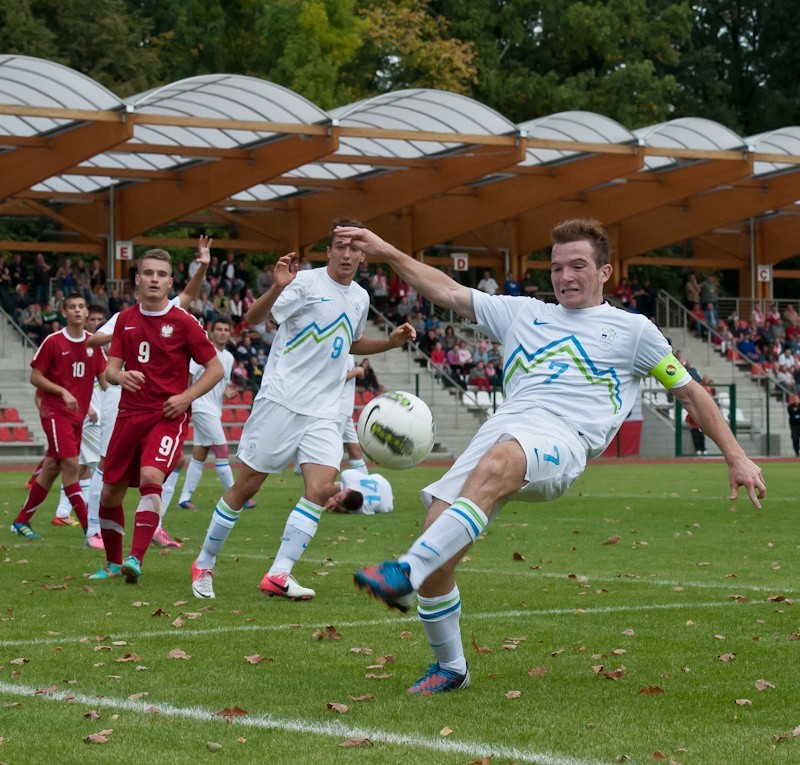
x=441 y=619
x=193 y=475
x=93 y=503
x=64 y=507
x=222 y=522
x=359 y=465
x=167 y=490
x=457 y=527
x=224 y=472
x=301 y=525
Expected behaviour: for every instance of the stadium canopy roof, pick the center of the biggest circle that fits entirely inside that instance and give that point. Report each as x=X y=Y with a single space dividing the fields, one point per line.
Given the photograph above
x=425 y=168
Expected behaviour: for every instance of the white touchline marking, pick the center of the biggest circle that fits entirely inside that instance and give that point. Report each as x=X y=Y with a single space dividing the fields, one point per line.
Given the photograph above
x=368 y=622
x=331 y=729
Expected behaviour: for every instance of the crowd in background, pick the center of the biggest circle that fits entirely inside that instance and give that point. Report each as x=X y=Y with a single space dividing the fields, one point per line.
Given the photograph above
x=32 y=291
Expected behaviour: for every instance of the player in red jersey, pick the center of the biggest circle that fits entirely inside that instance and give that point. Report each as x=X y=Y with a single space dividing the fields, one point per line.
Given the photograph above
x=155 y=342
x=64 y=370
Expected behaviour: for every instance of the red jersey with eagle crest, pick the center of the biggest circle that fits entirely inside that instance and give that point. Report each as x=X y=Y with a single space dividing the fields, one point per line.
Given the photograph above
x=159 y=344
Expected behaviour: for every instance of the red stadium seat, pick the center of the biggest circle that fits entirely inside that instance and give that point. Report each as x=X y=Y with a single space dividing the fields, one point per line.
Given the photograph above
x=234 y=400
x=247 y=397
x=228 y=415
x=234 y=433
x=367 y=396
x=5 y=434
x=21 y=434
x=10 y=414
x=241 y=414
x=357 y=413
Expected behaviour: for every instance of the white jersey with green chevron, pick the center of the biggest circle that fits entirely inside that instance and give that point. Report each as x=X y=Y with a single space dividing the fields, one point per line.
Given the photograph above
x=582 y=365
x=319 y=320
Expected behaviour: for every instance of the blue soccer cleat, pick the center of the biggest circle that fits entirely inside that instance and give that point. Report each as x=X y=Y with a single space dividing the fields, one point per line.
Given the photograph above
x=439 y=680
x=388 y=581
x=131 y=569
x=24 y=530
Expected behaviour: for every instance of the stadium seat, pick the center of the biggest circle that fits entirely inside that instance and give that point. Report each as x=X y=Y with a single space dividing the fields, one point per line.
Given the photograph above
x=367 y=396
x=241 y=414
x=234 y=400
x=483 y=399
x=21 y=434
x=5 y=434
x=247 y=397
x=10 y=414
x=228 y=415
x=357 y=413
x=234 y=433
x=359 y=399
x=468 y=399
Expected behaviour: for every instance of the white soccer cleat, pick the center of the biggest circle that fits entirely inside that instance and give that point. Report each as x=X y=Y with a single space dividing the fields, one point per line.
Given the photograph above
x=202 y=582
x=285 y=586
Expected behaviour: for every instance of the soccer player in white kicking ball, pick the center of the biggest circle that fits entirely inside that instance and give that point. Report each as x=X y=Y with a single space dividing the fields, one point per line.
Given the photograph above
x=571 y=375
x=296 y=415
x=207 y=421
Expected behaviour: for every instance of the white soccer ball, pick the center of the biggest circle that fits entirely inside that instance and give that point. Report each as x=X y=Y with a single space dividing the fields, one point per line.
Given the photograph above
x=396 y=430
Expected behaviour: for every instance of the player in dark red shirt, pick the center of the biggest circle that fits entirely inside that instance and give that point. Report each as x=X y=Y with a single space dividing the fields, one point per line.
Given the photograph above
x=154 y=341
x=64 y=370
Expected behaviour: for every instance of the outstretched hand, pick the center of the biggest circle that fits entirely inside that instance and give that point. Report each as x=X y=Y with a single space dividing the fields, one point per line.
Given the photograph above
x=401 y=335
x=204 y=249
x=746 y=473
x=367 y=241
x=285 y=270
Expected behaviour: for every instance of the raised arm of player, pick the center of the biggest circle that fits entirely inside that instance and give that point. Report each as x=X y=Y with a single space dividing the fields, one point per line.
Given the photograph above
x=192 y=289
x=704 y=411
x=212 y=374
x=284 y=275
x=48 y=386
x=366 y=346
x=426 y=280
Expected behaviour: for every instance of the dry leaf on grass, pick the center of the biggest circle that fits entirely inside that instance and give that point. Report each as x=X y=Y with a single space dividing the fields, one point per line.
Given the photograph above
x=484 y=761
x=538 y=671
x=140 y=603
x=129 y=657
x=97 y=738
x=365 y=697
x=46 y=691
x=257 y=658
x=330 y=633
x=19 y=662
x=159 y=612
x=213 y=746
x=480 y=648
x=611 y=540
x=513 y=694
x=340 y=708
x=354 y=743
x=137 y=696
x=650 y=690
x=178 y=622
x=743 y=702
x=726 y=657
x=230 y=712
x=445 y=731
x=176 y=653
x=659 y=755
x=372 y=676
x=518 y=556
x=615 y=674
x=92 y=714
x=764 y=685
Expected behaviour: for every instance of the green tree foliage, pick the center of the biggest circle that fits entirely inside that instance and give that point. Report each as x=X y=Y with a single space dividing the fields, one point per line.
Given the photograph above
x=100 y=38
x=740 y=65
x=405 y=44
x=537 y=57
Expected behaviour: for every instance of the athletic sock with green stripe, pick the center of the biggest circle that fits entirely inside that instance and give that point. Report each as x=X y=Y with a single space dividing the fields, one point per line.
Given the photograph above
x=301 y=525
x=456 y=528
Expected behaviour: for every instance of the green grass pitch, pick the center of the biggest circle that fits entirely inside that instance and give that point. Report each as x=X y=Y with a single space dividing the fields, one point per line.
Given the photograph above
x=643 y=616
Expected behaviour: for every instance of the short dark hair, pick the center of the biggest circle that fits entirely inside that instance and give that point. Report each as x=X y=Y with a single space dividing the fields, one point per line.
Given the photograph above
x=343 y=222
x=585 y=229
x=97 y=309
x=157 y=254
x=221 y=320
x=353 y=500
x=74 y=296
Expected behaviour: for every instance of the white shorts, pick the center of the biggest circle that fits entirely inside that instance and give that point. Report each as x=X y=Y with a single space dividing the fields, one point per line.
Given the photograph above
x=275 y=436
x=349 y=435
x=555 y=458
x=109 y=409
x=208 y=429
x=91 y=439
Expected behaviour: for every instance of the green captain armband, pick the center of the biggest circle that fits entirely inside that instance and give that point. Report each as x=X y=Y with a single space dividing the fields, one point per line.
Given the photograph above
x=669 y=371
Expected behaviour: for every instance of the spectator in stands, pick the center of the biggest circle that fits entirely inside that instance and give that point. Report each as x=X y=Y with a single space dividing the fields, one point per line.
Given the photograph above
x=179 y=278
x=691 y=291
x=246 y=351
x=623 y=292
x=248 y=299
x=222 y=303
x=433 y=322
x=464 y=356
x=709 y=293
x=5 y=286
x=236 y=308
x=66 y=277
x=784 y=377
x=529 y=286
x=240 y=376
x=369 y=381
x=711 y=315
x=19 y=272
x=364 y=278
x=449 y=339
x=794 y=423
x=417 y=320
x=213 y=274
x=481 y=352
x=304 y=264
x=438 y=359
x=757 y=316
x=494 y=355
x=698 y=317
x=645 y=297
x=379 y=287
x=230 y=274
x=494 y=376
x=511 y=286
x=398 y=289
x=41 y=280
x=478 y=378
x=487 y=284
x=428 y=341
x=404 y=308
x=100 y=299
x=265 y=278
x=32 y=324
x=747 y=347
x=83 y=279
